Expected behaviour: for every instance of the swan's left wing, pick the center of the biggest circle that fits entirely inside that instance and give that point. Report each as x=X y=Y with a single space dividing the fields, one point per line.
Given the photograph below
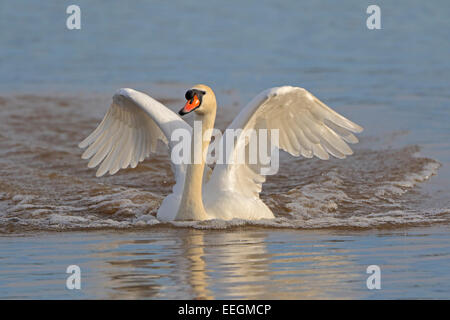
x=306 y=127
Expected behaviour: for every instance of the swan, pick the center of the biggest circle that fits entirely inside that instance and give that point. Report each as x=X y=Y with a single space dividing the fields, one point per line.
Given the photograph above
x=132 y=126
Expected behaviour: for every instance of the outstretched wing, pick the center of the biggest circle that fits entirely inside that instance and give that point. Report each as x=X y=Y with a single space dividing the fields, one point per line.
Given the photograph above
x=306 y=127
x=130 y=131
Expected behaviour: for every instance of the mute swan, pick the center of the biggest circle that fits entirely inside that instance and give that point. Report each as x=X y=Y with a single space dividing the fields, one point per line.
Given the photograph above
x=135 y=122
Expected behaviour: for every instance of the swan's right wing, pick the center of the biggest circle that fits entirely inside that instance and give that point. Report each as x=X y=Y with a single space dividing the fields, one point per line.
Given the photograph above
x=129 y=131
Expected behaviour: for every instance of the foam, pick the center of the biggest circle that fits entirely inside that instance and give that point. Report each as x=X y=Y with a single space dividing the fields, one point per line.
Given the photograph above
x=333 y=198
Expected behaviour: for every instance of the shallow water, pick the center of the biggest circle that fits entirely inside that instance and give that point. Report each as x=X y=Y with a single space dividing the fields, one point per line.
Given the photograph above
x=388 y=204
x=46 y=186
x=250 y=263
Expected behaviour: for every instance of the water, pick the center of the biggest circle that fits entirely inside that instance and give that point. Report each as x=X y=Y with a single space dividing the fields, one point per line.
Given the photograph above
x=251 y=263
x=388 y=204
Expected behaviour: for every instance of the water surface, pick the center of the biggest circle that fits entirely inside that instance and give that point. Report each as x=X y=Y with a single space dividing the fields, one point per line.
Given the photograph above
x=388 y=204
x=253 y=263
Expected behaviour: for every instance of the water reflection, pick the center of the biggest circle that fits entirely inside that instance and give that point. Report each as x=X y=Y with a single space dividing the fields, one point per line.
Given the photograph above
x=248 y=263
x=205 y=264
x=194 y=265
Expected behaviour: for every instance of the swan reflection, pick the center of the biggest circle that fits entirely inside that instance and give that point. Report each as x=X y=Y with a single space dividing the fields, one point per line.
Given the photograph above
x=213 y=264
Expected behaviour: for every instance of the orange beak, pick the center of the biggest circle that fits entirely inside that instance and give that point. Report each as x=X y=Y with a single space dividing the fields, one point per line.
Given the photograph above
x=190 y=105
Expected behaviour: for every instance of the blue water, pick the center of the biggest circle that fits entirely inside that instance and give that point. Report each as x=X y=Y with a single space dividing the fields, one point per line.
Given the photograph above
x=228 y=44
x=196 y=264
x=322 y=46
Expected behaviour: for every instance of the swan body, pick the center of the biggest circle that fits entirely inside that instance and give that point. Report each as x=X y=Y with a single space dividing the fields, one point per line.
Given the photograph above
x=135 y=122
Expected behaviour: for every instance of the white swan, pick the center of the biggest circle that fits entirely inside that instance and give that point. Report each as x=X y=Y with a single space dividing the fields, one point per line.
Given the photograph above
x=135 y=122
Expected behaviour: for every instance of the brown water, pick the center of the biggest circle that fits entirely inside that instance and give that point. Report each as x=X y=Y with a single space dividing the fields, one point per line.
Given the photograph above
x=371 y=208
x=46 y=186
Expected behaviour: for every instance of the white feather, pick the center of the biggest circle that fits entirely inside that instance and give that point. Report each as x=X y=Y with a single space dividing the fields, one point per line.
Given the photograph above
x=306 y=126
x=129 y=131
x=135 y=122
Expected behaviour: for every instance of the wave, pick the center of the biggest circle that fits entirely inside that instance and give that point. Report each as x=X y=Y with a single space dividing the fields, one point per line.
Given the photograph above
x=45 y=186
x=368 y=191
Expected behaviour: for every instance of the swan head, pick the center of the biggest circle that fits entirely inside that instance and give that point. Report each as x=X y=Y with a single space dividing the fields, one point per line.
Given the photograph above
x=200 y=99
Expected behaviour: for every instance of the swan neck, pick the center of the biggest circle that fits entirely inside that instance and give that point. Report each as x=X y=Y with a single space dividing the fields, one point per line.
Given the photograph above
x=191 y=205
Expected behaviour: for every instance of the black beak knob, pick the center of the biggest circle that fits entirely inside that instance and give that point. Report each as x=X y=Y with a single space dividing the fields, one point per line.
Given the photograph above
x=189 y=94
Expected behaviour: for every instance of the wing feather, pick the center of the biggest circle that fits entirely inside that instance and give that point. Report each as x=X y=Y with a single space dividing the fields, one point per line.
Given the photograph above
x=129 y=132
x=306 y=126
